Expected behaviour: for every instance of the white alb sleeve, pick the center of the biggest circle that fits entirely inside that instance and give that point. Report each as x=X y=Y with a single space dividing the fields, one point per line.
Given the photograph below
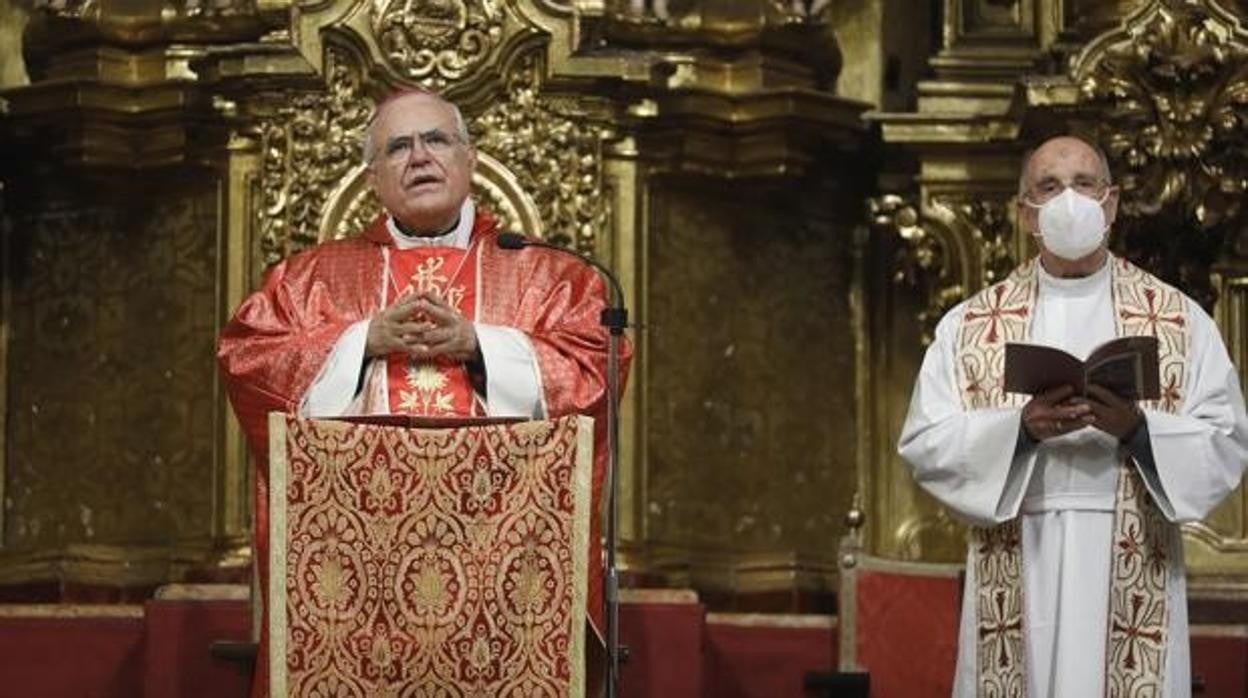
x=335 y=386
x=513 y=386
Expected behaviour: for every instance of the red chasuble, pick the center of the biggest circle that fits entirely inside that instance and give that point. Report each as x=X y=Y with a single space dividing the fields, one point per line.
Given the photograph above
x=273 y=349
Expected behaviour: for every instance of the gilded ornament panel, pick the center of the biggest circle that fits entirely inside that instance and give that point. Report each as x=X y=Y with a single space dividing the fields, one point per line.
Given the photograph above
x=112 y=421
x=554 y=148
x=960 y=242
x=436 y=42
x=309 y=142
x=926 y=260
x=1171 y=94
x=751 y=426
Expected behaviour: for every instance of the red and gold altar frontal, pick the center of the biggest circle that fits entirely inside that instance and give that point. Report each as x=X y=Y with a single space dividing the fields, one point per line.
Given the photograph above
x=451 y=560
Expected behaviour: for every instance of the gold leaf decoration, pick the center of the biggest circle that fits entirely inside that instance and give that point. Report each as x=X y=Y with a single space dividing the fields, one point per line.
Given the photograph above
x=1175 y=96
x=540 y=164
x=555 y=152
x=990 y=226
x=924 y=262
x=436 y=42
x=1171 y=94
x=309 y=146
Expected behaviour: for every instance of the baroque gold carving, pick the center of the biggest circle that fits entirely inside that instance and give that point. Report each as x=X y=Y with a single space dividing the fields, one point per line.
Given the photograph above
x=990 y=227
x=1171 y=92
x=924 y=262
x=932 y=262
x=74 y=9
x=1175 y=94
x=436 y=42
x=553 y=149
x=309 y=146
x=539 y=168
x=161 y=12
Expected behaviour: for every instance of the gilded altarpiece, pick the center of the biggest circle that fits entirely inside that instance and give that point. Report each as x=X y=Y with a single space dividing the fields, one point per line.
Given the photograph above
x=706 y=151
x=110 y=428
x=229 y=136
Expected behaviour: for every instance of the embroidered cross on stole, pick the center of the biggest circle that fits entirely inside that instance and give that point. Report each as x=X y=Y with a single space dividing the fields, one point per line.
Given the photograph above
x=1138 y=614
x=432 y=388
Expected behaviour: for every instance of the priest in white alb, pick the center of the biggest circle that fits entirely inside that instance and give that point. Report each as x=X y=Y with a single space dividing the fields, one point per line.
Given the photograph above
x=1075 y=578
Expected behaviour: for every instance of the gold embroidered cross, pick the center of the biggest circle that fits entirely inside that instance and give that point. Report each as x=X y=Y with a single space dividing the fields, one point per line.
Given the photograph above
x=1151 y=315
x=996 y=313
x=1000 y=627
x=1136 y=630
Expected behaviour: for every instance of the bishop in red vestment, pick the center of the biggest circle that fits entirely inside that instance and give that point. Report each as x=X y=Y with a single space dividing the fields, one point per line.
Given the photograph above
x=421 y=314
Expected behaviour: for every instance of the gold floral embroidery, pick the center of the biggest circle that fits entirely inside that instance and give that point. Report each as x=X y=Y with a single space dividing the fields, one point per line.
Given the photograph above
x=452 y=599
x=423 y=387
x=427 y=396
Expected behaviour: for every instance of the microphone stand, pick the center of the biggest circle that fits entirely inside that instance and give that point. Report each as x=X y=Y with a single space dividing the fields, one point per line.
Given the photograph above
x=615 y=318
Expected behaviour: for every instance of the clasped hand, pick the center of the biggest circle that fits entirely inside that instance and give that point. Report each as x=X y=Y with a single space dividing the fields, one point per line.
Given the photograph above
x=1059 y=411
x=423 y=327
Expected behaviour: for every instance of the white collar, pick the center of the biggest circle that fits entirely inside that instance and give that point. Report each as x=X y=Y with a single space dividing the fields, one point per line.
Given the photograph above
x=1076 y=285
x=459 y=237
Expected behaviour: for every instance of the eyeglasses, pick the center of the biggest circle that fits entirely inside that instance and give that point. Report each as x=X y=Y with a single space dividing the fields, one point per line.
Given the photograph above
x=435 y=142
x=1050 y=188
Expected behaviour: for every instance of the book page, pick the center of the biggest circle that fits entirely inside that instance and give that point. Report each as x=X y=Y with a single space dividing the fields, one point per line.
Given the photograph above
x=1033 y=368
x=1123 y=374
x=1128 y=366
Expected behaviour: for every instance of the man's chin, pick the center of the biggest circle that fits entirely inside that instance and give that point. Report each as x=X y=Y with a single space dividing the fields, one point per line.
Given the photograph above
x=428 y=220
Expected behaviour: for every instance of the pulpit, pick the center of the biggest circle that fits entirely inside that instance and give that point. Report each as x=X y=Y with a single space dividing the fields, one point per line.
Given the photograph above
x=449 y=557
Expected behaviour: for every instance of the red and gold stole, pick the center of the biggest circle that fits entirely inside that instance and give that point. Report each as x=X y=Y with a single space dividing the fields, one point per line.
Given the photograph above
x=432 y=388
x=1138 y=613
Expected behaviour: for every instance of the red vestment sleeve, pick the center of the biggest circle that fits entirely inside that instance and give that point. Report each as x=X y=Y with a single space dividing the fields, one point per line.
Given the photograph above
x=273 y=348
x=557 y=301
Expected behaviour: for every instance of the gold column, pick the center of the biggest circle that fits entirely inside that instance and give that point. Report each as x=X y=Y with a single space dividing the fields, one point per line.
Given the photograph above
x=114 y=469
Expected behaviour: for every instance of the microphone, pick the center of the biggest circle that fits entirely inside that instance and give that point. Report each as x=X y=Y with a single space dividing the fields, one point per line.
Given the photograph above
x=512 y=241
x=614 y=317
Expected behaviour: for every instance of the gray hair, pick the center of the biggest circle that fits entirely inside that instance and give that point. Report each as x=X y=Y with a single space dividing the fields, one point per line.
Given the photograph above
x=368 y=149
x=1096 y=148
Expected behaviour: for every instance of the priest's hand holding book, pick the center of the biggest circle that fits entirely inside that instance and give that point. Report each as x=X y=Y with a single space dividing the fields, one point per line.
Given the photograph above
x=1069 y=394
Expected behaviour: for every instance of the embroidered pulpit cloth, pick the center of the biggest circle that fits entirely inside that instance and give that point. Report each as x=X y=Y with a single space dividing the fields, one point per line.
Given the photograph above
x=428 y=561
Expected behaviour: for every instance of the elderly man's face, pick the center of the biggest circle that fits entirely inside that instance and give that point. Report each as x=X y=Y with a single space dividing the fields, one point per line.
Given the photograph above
x=1060 y=163
x=421 y=168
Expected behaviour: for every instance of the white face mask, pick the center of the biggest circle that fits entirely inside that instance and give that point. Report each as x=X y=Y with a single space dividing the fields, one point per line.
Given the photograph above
x=1072 y=224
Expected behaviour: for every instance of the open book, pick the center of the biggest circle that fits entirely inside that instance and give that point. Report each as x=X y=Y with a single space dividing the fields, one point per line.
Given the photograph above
x=1127 y=365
